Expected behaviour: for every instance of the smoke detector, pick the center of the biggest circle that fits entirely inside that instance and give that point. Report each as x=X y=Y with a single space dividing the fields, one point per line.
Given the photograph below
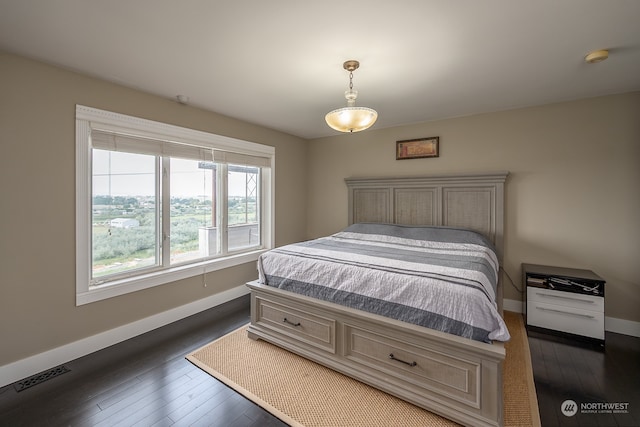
x=596 y=56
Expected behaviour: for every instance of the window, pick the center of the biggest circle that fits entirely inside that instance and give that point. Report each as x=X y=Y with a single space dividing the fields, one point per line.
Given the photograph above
x=157 y=203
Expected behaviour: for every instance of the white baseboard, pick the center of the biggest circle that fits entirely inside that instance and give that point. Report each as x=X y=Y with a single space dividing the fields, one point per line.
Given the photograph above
x=24 y=368
x=611 y=324
x=512 y=305
x=622 y=326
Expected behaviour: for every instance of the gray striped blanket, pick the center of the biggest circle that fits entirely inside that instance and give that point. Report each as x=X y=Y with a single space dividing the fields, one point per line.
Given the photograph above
x=441 y=278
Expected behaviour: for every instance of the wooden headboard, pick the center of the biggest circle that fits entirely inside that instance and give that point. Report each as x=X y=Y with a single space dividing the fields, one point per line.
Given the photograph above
x=473 y=201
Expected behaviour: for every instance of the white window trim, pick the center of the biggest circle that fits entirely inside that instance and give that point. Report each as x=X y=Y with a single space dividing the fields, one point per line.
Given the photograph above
x=88 y=118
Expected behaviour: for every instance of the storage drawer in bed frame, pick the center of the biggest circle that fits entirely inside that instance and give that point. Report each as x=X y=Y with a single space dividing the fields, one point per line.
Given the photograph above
x=418 y=366
x=300 y=326
x=447 y=373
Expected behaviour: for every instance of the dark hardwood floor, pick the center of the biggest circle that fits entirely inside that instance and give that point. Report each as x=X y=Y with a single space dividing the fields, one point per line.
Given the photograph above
x=146 y=381
x=605 y=385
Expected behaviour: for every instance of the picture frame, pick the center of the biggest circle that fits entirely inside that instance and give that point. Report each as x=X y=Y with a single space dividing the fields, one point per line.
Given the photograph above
x=418 y=148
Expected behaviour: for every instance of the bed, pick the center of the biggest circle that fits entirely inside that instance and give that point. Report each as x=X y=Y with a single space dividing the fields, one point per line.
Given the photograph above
x=435 y=357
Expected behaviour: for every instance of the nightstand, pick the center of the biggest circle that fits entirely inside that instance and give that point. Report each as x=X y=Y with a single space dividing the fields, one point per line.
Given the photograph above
x=564 y=301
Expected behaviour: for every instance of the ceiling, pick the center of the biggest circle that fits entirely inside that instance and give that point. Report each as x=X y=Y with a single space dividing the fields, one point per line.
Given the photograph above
x=278 y=63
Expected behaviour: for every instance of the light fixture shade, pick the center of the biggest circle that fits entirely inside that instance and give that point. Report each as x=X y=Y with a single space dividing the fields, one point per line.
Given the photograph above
x=351 y=119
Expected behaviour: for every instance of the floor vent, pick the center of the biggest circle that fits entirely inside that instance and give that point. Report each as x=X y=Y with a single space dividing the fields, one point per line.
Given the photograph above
x=40 y=378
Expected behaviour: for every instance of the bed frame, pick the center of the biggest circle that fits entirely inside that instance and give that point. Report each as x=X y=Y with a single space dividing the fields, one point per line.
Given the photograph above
x=455 y=377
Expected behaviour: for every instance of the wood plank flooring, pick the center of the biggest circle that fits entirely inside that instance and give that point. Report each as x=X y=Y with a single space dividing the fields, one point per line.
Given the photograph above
x=146 y=381
x=565 y=370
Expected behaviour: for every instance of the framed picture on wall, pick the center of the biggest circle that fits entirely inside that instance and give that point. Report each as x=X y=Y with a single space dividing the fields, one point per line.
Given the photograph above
x=418 y=148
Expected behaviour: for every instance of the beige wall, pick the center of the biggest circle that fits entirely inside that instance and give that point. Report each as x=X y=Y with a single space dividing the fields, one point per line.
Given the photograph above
x=572 y=197
x=37 y=213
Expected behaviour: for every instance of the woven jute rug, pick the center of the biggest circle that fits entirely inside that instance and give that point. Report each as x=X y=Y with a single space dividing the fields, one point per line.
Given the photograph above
x=304 y=393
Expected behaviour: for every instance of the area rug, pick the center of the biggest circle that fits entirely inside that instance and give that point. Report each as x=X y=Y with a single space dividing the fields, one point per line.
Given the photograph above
x=304 y=393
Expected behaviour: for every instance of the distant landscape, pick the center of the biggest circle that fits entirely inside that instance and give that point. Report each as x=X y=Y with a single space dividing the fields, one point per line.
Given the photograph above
x=120 y=245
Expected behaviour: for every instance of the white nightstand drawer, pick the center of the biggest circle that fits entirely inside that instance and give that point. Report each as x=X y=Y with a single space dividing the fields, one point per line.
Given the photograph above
x=566 y=299
x=566 y=319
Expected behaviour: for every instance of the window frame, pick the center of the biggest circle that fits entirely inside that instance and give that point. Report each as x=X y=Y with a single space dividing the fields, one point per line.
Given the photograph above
x=88 y=119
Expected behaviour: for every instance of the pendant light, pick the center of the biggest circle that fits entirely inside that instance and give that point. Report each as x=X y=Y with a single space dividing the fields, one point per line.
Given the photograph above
x=351 y=118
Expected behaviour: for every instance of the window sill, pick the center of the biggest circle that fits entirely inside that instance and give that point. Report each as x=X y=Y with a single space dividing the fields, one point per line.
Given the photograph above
x=137 y=283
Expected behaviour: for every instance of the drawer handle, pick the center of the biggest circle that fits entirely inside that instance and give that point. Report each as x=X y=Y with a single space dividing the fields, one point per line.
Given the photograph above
x=392 y=357
x=290 y=322
x=588 y=301
x=566 y=312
